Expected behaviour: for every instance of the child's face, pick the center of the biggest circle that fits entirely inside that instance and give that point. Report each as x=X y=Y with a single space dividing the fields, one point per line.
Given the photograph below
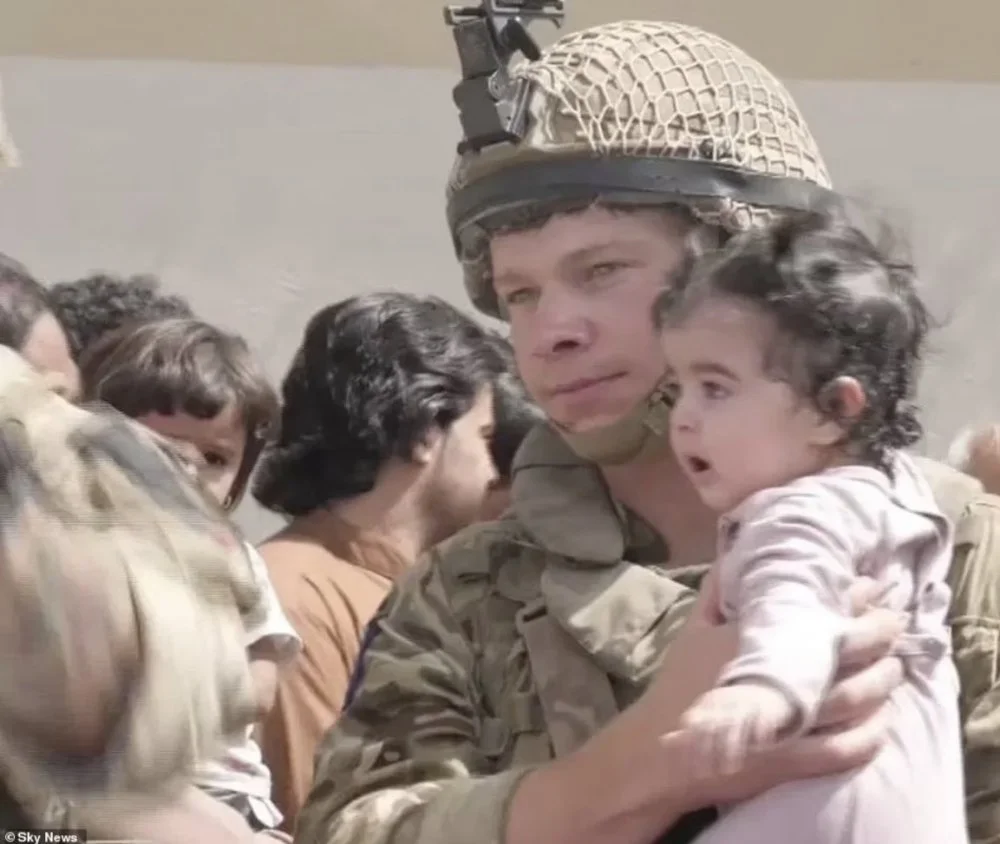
x=215 y=446
x=734 y=428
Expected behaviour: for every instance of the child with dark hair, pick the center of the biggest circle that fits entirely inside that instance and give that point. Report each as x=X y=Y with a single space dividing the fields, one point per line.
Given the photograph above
x=201 y=389
x=793 y=360
x=189 y=381
x=99 y=304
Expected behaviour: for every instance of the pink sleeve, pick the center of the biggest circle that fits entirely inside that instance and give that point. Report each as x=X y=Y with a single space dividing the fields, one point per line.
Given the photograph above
x=790 y=565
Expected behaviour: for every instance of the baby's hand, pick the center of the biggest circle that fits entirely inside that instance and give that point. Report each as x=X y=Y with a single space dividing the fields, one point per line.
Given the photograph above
x=726 y=723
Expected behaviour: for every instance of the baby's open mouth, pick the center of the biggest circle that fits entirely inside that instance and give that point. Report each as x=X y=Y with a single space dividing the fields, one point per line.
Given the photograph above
x=698 y=465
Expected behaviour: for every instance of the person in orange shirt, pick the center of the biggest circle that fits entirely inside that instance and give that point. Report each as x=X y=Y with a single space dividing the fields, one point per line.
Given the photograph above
x=384 y=451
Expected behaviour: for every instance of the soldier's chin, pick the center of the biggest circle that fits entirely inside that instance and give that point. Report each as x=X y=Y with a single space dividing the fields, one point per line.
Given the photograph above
x=587 y=424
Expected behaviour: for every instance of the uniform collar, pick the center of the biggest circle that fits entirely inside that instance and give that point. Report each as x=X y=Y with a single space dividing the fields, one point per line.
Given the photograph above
x=605 y=579
x=564 y=503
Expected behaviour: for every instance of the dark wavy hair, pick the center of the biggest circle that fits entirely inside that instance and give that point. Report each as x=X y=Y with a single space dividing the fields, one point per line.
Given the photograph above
x=373 y=375
x=99 y=304
x=845 y=303
x=22 y=301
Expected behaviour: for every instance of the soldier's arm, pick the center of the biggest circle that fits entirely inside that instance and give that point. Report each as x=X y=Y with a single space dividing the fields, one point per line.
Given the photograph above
x=403 y=765
x=975 y=620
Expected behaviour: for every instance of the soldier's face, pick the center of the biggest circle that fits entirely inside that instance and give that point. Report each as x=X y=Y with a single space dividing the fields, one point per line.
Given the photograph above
x=579 y=292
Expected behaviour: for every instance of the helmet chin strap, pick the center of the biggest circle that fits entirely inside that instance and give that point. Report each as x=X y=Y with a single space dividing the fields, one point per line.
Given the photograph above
x=640 y=435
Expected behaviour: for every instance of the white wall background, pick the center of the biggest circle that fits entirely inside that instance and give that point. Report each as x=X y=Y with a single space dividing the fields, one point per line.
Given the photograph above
x=265 y=192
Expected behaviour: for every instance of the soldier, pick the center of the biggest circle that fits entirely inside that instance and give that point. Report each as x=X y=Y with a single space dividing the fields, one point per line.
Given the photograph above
x=524 y=683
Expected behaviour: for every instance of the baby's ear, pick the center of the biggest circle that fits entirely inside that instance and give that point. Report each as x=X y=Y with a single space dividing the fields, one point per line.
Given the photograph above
x=843 y=399
x=840 y=402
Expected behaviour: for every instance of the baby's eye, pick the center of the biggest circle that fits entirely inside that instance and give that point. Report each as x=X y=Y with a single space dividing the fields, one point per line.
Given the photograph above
x=714 y=390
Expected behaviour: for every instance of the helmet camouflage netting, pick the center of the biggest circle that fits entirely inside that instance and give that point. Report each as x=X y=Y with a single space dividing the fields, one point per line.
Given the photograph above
x=640 y=113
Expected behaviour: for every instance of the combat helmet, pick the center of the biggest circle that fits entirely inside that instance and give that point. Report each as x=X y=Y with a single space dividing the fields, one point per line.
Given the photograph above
x=633 y=113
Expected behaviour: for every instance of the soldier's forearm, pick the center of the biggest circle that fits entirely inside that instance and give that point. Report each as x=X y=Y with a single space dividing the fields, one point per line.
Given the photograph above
x=449 y=811
x=550 y=806
x=584 y=799
x=603 y=794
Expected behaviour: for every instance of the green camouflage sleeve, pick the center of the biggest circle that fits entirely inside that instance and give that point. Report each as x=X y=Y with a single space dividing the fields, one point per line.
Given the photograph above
x=403 y=764
x=975 y=620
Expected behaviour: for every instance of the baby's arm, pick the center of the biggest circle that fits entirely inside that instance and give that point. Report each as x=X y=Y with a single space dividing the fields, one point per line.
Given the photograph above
x=793 y=560
x=796 y=555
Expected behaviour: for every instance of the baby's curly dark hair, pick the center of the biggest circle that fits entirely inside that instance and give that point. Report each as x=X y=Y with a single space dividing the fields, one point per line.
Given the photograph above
x=99 y=304
x=844 y=305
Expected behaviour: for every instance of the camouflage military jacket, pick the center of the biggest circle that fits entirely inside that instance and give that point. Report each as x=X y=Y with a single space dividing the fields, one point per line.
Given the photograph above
x=450 y=707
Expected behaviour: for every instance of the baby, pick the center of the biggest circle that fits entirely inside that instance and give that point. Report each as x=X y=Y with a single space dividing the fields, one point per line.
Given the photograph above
x=793 y=360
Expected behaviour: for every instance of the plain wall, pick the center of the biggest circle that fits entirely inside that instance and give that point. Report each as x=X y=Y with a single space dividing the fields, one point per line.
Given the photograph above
x=898 y=40
x=264 y=192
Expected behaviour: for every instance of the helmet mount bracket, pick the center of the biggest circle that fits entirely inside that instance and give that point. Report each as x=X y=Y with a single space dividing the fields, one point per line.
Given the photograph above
x=492 y=106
